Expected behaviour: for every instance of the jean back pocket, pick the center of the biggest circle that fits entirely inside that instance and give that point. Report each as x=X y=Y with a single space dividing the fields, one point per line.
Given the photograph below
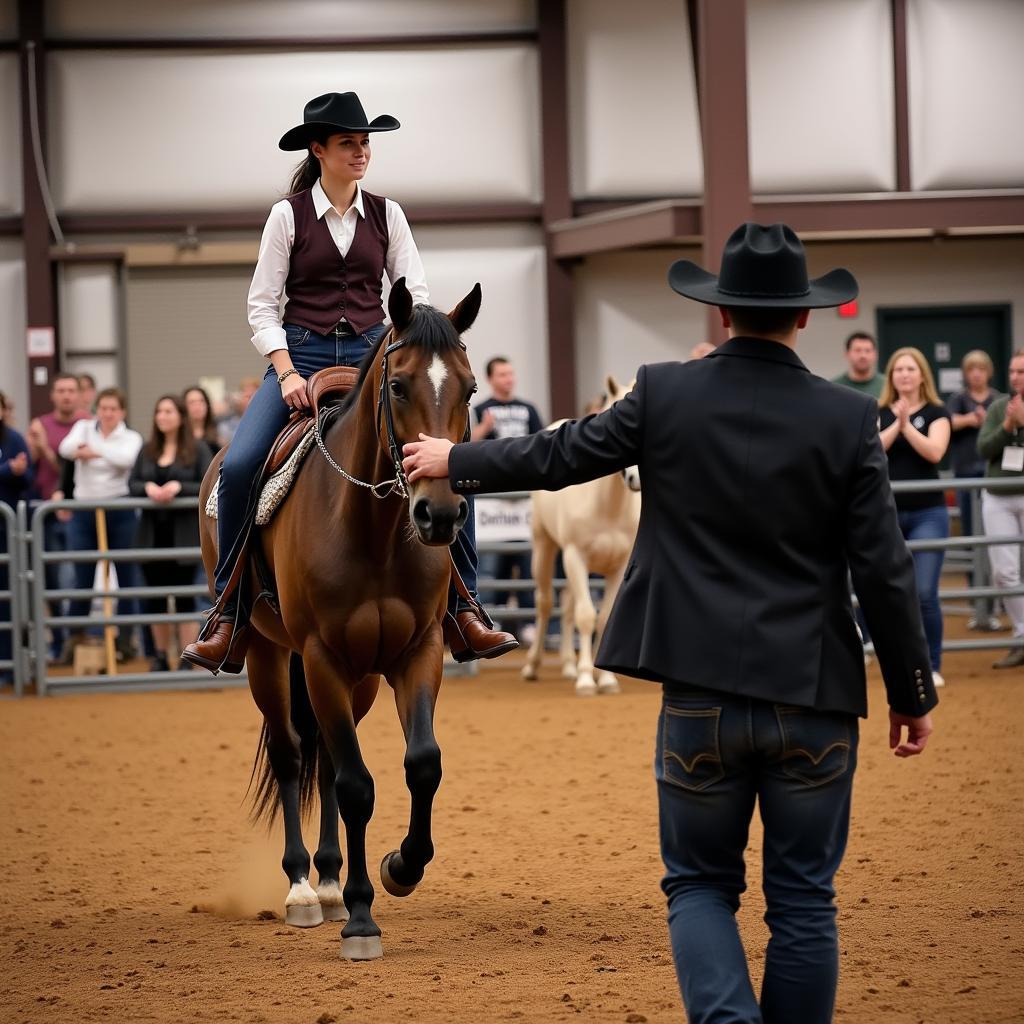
x=816 y=745
x=690 y=754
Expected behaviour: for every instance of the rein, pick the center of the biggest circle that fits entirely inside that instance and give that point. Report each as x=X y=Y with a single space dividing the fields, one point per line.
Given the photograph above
x=385 y=488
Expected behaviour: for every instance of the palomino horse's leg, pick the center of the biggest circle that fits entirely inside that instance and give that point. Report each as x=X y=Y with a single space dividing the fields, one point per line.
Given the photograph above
x=416 y=687
x=567 y=633
x=328 y=858
x=606 y=681
x=269 y=681
x=578 y=579
x=543 y=567
x=332 y=697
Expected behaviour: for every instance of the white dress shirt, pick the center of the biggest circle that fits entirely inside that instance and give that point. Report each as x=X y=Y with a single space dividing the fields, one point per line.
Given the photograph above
x=107 y=475
x=267 y=289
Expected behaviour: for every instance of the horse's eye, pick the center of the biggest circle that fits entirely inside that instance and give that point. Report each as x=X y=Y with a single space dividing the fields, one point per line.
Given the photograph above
x=396 y=389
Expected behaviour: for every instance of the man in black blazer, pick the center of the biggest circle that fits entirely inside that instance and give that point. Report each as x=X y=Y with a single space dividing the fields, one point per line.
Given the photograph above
x=763 y=487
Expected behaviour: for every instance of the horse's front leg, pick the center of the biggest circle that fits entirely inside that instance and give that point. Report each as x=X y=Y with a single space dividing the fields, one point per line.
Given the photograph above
x=328 y=858
x=578 y=582
x=331 y=695
x=606 y=681
x=416 y=685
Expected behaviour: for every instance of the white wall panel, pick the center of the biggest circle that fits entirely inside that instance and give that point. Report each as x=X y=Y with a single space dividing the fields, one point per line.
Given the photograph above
x=820 y=96
x=199 y=132
x=89 y=307
x=512 y=321
x=966 y=84
x=253 y=19
x=10 y=135
x=13 y=361
x=632 y=100
x=626 y=314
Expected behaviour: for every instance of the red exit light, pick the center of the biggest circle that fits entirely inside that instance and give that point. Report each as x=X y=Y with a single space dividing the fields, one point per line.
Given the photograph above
x=848 y=309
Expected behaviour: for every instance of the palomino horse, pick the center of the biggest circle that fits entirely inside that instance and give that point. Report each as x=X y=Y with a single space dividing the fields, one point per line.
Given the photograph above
x=361 y=576
x=594 y=524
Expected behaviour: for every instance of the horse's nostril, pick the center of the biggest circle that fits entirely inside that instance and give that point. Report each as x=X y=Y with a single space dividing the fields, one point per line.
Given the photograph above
x=460 y=519
x=421 y=513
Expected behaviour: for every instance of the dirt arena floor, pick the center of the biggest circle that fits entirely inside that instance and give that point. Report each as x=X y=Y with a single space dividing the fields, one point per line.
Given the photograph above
x=135 y=890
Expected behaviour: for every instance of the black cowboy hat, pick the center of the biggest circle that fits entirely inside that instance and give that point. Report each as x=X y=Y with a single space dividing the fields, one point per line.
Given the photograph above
x=763 y=266
x=332 y=113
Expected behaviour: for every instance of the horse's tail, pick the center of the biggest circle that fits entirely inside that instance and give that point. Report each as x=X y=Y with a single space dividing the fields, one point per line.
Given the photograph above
x=266 y=797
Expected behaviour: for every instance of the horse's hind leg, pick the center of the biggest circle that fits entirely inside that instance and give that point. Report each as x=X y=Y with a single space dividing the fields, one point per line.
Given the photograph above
x=578 y=581
x=332 y=696
x=416 y=686
x=288 y=727
x=543 y=566
x=328 y=858
x=567 y=632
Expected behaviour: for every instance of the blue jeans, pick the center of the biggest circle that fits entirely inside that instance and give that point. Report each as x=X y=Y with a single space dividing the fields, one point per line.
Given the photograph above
x=121 y=527
x=928 y=524
x=263 y=421
x=55 y=534
x=717 y=754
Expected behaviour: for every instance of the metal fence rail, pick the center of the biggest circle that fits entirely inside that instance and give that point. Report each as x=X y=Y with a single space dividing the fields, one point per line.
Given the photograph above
x=30 y=619
x=12 y=625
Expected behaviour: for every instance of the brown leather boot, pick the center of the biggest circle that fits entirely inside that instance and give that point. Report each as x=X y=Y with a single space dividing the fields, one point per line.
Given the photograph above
x=221 y=648
x=469 y=637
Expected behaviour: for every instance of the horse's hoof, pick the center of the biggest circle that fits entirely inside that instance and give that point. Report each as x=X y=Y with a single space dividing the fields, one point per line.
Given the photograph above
x=304 y=915
x=529 y=672
x=568 y=671
x=331 y=902
x=389 y=883
x=361 y=947
x=586 y=687
x=607 y=683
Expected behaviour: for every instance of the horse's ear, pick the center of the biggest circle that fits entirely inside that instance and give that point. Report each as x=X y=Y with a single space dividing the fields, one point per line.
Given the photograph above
x=612 y=386
x=400 y=306
x=465 y=313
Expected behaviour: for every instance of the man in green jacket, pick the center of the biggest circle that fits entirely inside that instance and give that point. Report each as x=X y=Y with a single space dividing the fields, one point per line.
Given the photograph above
x=1001 y=444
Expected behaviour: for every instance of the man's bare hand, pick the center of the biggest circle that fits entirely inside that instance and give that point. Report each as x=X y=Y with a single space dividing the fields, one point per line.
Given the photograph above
x=427 y=457
x=918 y=731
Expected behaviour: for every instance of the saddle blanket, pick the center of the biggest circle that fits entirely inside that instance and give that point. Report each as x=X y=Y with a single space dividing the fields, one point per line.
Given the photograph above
x=276 y=489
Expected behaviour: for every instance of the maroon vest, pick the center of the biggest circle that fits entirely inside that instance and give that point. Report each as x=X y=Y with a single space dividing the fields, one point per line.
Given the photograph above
x=323 y=286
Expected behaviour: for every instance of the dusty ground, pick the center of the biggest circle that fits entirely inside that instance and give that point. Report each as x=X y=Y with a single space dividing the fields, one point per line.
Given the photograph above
x=133 y=881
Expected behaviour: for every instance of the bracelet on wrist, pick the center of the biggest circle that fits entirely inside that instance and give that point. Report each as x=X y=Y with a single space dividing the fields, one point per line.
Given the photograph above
x=282 y=377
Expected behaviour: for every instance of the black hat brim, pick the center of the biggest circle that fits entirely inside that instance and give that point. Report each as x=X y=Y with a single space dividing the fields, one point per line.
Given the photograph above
x=302 y=135
x=832 y=289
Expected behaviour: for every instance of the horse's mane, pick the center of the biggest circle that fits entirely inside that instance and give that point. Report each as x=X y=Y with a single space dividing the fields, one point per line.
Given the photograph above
x=428 y=329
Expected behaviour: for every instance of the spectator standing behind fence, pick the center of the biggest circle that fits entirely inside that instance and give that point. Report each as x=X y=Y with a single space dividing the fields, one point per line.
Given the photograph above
x=1001 y=444
x=86 y=393
x=504 y=415
x=200 y=417
x=45 y=434
x=967 y=410
x=915 y=429
x=104 y=451
x=861 y=366
x=171 y=465
x=226 y=427
x=15 y=481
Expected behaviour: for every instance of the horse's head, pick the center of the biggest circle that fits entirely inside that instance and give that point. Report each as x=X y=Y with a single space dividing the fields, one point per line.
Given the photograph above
x=613 y=392
x=426 y=388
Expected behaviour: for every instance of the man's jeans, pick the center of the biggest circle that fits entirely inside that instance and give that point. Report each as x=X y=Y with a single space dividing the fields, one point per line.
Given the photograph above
x=716 y=754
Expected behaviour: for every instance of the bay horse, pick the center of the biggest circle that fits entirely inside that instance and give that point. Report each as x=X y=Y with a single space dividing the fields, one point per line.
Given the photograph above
x=594 y=526
x=361 y=577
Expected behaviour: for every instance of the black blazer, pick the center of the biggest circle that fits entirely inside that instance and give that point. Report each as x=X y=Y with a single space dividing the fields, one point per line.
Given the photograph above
x=762 y=486
x=185 y=521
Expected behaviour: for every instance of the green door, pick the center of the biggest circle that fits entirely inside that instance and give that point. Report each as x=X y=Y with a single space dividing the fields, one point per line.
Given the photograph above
x=945 y=334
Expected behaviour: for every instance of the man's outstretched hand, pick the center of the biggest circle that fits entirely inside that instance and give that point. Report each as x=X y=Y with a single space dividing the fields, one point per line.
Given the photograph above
x=918 y=731
x=426 y=457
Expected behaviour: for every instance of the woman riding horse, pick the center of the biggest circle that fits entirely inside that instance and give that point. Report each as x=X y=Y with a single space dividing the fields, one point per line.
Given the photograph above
x=326 y=245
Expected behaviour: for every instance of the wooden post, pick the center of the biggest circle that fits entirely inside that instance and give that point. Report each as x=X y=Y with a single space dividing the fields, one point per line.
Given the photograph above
x=109 y=631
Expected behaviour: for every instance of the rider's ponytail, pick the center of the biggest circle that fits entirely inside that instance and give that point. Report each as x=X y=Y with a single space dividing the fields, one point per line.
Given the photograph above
x=306 y=174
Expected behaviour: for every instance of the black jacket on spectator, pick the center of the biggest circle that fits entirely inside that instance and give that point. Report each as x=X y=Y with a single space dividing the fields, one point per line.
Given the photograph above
x=184 y=521
x=761 y=484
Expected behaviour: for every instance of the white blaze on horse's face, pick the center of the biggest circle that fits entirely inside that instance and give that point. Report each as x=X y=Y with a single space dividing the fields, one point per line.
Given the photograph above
x=438 y=374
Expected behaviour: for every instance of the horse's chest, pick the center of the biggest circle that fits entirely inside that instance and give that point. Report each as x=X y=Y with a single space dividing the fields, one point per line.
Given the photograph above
x=373 y=631
x=605 y=551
